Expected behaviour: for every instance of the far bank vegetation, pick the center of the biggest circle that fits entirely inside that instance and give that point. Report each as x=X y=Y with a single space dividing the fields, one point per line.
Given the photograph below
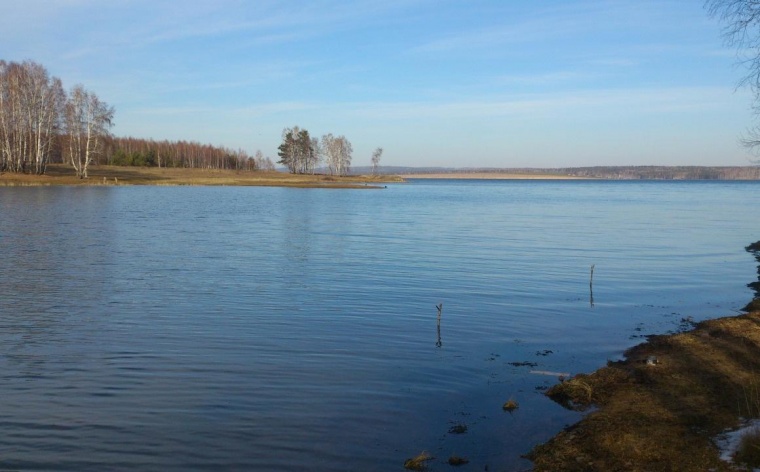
x=42 y=124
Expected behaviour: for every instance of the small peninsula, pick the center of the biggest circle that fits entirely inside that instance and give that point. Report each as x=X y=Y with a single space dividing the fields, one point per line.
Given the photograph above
x=61 y=174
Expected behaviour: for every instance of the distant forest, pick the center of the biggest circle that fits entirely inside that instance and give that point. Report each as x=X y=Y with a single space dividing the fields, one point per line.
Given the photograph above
x=190 y=154
x=601 y=172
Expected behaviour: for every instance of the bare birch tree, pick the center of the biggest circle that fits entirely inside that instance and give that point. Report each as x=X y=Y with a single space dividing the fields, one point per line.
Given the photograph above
x=741 y=29
x=315 y=154
x=5 y=118
x=337 y=152
x=376 y=159
x=88 y=121
x=45 y=100
x=330 y=153
x=345 y=150
x=263 y=163
x=30 y=110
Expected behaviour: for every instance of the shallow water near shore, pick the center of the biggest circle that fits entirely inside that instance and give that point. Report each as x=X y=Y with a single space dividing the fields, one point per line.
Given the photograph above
x=241 y=328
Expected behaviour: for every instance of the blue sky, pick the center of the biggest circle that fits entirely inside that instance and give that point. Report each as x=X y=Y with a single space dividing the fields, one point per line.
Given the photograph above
x=532 y=83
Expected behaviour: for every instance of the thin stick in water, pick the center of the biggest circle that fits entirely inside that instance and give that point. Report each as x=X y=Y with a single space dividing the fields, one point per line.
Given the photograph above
x=440 y=309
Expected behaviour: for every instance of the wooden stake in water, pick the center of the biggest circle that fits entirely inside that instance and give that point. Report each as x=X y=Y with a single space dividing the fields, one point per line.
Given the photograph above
x=440 y=309
x=591 y=286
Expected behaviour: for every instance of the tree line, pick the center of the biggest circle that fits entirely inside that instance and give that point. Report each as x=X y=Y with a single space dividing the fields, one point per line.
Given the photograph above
x=302 y=154
x=189 y=154
x=40 y=123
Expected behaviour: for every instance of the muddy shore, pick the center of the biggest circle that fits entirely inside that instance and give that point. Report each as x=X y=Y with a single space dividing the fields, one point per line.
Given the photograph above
x=661 y=408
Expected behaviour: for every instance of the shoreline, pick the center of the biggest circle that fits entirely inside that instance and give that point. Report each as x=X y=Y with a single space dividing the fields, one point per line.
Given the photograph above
x=62 y=175
x=492 y=176
x=663 y=406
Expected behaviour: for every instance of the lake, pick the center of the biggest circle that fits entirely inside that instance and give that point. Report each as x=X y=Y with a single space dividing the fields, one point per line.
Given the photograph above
x=251 y=328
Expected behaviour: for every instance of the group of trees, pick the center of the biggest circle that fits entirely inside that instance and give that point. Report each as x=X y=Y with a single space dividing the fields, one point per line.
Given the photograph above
x=39 y=121
x=302 y=154
x=31 y=106
x=337 y=154
x=40 y=124
x=150 y=153
x=299 y=152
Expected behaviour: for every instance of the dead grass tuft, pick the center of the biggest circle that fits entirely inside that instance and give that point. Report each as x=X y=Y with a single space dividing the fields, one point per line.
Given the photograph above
x=575 y=393
x=749 y=449
x=418 y=462
x=510 y=405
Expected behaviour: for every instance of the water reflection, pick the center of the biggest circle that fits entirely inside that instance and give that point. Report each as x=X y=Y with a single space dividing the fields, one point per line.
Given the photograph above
x=278 y=329
x=56 y=263
x=296 y=235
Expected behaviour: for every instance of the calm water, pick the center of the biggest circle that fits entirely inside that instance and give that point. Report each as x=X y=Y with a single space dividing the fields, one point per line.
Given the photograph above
x=194 y=328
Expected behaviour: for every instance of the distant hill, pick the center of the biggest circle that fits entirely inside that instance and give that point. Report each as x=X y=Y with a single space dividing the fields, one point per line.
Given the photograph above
x=599 y=172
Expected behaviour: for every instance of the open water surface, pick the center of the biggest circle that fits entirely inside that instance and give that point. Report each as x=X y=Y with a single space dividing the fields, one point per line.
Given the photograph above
x=246 y=328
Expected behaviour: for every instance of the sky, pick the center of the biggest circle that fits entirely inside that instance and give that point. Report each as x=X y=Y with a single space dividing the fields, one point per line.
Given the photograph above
x=469 y=83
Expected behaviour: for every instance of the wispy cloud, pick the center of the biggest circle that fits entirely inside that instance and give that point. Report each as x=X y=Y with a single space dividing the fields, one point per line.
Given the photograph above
x=519 y=29
x=651 y=101
x=264 y=22
x=539 y=25
x=535 y=106
x=548 y=78
x=264 y=109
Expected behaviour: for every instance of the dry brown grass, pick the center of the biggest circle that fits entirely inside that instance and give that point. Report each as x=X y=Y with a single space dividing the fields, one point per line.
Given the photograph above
x=749 y=449
x=58 y=174
x=510 y=405
x=419 y=462
x=663 y=416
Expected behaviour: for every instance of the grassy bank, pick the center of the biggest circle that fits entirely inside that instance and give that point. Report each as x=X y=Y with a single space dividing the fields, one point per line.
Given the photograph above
x=660 y=408
x=116 y=175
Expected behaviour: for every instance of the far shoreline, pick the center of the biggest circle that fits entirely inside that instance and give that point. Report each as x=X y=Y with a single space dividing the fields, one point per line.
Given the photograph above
x=492 y=176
